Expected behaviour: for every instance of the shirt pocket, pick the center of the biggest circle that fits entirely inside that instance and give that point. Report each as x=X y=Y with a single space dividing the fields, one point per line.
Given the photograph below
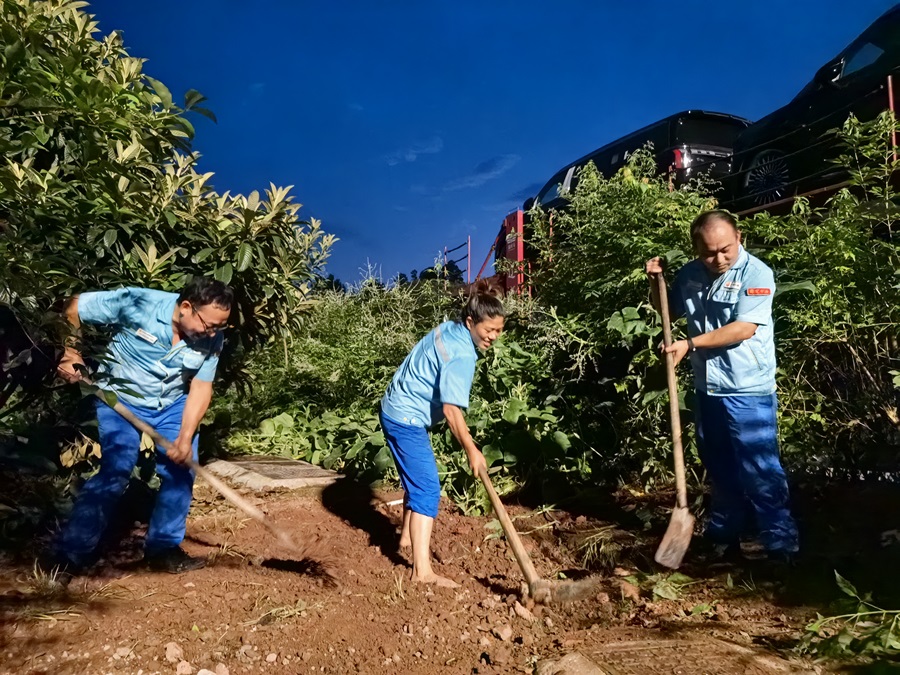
x=757 y=355
x=726 y=296
x=192 y=360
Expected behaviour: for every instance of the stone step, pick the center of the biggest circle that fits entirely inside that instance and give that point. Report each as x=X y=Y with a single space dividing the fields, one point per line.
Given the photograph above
x=261 y=472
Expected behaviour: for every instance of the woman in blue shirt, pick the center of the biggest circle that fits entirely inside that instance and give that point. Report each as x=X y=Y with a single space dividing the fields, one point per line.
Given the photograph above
x=433 y=383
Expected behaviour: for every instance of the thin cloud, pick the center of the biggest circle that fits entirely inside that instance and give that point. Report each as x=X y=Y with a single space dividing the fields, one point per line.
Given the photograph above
x=411 y=154
x=487 y=170
x=356 y=107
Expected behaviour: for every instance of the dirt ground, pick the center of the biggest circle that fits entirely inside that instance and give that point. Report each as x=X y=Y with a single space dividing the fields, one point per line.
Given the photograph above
x=255 y=610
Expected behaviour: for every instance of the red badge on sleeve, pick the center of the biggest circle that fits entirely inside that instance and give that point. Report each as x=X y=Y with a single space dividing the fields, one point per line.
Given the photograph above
x=759 y=291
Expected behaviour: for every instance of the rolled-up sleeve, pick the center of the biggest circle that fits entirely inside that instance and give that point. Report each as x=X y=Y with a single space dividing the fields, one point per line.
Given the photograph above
x=105 y=307
x=456 y=381
x=754 y=303
x=207 y=372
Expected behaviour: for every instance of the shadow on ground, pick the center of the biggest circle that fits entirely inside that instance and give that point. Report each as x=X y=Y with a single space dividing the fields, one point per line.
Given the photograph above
x=353 y=502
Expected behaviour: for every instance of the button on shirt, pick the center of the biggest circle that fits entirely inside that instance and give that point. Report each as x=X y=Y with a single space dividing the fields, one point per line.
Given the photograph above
x=438 y=370
x=141 y=351
x=743 y=293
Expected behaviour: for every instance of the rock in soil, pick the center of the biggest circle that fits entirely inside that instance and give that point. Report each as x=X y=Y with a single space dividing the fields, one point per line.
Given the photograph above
x=503 y=632
x=570 y=664
x=174 y=653
x=523 y=612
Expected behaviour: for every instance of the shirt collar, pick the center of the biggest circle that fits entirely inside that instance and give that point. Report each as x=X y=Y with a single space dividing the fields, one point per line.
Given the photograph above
x=743 y=258
x=165 y=310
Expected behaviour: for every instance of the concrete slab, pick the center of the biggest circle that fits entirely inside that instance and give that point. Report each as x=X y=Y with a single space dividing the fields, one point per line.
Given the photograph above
x=266 y=473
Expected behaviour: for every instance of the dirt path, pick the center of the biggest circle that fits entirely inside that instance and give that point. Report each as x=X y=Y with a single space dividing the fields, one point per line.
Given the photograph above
x=253 y=611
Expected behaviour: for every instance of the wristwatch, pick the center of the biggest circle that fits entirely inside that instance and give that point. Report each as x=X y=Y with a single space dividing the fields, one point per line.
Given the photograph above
x=691 y=346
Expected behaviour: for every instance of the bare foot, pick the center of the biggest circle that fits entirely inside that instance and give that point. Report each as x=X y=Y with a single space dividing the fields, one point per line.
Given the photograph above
x=436 y=579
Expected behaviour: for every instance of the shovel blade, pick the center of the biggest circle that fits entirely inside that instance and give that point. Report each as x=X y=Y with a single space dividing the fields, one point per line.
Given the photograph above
x=676 y=540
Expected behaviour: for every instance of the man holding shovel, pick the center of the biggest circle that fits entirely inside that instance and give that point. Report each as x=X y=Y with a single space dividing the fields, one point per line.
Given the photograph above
x=726 y=297
x=162 y=359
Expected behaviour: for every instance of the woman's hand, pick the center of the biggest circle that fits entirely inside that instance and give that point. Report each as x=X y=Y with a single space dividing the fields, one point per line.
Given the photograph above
x=477 y=462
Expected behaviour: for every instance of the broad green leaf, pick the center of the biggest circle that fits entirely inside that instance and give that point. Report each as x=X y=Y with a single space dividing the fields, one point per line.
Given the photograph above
x=514 y=410
x=224 y=273
x=203 y=254
x=192 y=97
x=846 y=587
x=664 y=589
x=383 y=460
x=244 y=256
x=794 y=286
x=562 y=440
x=284 y=420
x=162 y=91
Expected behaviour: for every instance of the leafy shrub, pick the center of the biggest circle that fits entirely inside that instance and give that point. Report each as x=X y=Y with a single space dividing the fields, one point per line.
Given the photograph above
x=99 y=187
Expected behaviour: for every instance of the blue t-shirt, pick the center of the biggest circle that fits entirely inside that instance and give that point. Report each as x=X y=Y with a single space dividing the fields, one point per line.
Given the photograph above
x=438 y=370
x=141 y=351
x=743 y=293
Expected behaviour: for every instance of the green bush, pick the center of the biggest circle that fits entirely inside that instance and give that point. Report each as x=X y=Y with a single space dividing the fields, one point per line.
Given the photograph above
x=574 y=393
x=99 y=187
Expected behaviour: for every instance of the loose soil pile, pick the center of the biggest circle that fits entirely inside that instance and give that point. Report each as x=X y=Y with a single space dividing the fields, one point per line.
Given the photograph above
x=256 y=610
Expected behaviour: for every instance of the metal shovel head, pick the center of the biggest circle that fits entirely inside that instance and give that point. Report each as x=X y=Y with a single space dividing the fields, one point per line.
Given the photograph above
x=677 y=539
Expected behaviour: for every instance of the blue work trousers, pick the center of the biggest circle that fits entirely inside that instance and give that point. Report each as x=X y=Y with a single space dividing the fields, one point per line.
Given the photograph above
x=738 y=442
x=414 y=457
x=120 y=446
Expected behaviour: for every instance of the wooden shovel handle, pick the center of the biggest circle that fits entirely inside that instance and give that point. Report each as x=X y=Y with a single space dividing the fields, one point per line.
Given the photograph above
x=207 y=475
x=515 y=543
x=674 y=409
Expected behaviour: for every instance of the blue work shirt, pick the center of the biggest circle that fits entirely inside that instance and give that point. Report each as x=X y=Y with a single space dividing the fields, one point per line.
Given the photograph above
x=743 y=293
x=141 y=350
x=438 y=370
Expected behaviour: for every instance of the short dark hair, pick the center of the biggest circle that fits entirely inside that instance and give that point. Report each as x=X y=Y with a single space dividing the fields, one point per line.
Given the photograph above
x=482 y=302
x=706 y=219
x=202 y=291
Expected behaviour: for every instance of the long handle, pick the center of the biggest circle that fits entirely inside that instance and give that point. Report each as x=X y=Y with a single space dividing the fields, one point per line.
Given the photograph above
x=674 y=410
x=525 y=564
x=207 y=475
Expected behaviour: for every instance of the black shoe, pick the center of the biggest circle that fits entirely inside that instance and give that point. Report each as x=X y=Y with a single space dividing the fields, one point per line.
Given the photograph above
x=172 y=560
x=777 y=566
x=713 y=553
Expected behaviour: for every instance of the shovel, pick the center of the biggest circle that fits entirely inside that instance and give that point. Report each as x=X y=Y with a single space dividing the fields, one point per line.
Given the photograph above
x=540 y=590
x=675 y=542
x=304 y=552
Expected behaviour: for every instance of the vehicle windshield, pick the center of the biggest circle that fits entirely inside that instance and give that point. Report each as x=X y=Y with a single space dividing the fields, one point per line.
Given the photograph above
x=712 y=131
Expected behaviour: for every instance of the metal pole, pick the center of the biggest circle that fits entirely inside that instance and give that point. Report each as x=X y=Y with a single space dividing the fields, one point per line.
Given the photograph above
x=488 y=256
x=469 y=259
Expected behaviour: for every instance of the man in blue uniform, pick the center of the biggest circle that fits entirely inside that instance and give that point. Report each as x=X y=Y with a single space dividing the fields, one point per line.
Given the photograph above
x=164 y=350
x=726 y=296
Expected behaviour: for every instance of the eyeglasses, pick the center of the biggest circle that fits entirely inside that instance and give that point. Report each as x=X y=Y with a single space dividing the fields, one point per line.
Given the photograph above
x=207 y=327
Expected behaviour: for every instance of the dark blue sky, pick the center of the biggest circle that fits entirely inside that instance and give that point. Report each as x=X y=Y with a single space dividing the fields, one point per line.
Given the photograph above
x=406 y=126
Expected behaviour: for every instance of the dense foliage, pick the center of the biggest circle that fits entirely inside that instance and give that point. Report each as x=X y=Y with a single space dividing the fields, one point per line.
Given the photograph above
x=574 y=393
x=99 y=187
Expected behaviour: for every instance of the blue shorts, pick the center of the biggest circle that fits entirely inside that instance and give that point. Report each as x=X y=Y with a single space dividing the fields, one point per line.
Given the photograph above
x=414 y=457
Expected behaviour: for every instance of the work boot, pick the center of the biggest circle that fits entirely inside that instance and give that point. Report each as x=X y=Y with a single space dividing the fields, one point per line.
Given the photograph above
x=172 y=560
x=715 y=553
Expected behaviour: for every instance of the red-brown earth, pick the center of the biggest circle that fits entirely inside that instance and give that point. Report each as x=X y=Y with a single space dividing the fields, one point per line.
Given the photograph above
x=254 y=609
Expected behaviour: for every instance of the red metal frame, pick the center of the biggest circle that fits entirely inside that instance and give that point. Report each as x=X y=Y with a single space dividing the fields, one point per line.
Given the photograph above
x=513 y=233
